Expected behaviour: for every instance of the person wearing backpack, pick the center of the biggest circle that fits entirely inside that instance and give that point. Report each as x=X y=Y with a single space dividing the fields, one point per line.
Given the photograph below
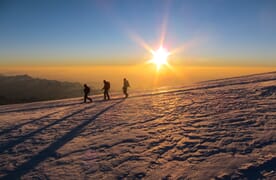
x=86 y=91
x=106 y=89
x=125 y=86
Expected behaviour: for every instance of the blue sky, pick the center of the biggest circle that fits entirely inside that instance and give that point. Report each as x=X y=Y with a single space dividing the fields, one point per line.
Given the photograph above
x=233 y=30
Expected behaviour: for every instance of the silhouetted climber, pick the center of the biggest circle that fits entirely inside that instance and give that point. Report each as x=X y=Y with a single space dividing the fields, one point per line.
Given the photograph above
x=106 y=90
x=86 y=91
x=125 y=86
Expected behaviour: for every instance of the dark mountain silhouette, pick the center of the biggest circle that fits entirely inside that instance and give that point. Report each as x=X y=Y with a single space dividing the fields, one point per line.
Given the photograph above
x=23 y=88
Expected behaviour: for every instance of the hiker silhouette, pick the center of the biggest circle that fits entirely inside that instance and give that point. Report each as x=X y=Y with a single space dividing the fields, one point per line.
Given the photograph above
x=125 y=86
x=86 y=91
x=106 y=88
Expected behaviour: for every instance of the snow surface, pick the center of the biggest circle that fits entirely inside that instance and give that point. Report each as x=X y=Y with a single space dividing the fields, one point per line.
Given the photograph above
x=221 y=129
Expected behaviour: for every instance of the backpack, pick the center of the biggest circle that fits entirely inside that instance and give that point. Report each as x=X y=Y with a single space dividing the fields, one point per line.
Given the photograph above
x=107 y=85
x=87 y=90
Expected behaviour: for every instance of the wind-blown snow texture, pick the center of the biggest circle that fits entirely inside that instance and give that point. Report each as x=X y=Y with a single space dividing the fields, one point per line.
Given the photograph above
x=221 y=129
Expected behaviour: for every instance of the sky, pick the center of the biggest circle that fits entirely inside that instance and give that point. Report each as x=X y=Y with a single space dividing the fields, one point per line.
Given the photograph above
x=37 y=35
x=71 y=32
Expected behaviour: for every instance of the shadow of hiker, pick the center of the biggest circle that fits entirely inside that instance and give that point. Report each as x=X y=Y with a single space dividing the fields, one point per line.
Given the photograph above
x=17 y=126
x=12 y=143
x=51 y=149
x=39 y=108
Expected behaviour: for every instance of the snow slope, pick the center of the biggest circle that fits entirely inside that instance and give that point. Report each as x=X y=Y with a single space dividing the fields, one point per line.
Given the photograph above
x=221 y=129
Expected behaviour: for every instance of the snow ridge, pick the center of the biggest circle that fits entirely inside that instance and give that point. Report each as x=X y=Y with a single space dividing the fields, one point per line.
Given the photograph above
x=221 y=129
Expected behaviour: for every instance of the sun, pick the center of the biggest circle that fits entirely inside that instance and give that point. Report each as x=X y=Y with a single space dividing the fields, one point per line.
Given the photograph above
x=160 y=57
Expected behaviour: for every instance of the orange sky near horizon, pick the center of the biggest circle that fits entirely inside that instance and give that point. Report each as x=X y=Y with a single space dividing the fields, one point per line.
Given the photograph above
x=140 y=76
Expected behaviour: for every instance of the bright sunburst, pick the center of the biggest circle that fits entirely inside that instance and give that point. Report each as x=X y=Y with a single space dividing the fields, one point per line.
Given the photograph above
x=160 y=57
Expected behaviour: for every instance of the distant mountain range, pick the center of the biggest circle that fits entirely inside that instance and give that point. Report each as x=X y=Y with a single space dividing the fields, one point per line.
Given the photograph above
x=23 y=88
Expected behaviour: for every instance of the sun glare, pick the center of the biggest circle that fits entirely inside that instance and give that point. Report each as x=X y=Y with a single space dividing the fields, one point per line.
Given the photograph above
x=160 y=57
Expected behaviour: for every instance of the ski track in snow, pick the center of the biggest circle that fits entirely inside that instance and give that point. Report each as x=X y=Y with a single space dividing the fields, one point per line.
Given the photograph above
x=221 y=129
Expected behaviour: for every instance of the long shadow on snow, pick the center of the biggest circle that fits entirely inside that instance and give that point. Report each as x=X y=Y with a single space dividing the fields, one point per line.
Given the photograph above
x=9 y=129
x=17 y=126
x=40 y=107
x=50 y=150
x=21 y=139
